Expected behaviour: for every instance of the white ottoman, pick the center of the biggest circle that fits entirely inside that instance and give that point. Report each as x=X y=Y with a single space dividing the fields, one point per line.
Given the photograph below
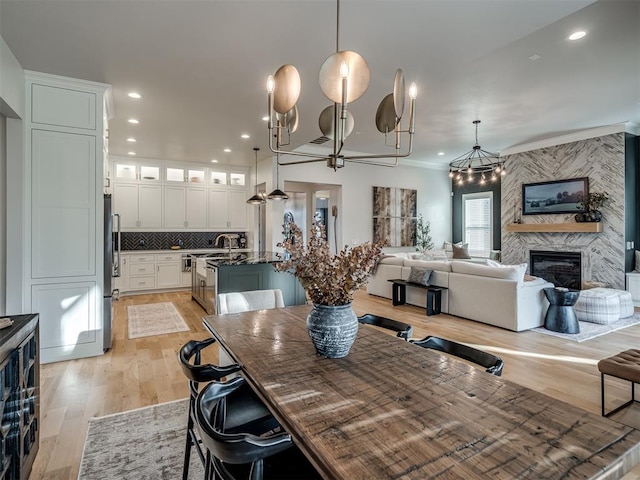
x=603 y=305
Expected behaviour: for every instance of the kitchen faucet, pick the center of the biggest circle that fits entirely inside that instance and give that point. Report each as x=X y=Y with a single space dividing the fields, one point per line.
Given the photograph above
x=229 y=237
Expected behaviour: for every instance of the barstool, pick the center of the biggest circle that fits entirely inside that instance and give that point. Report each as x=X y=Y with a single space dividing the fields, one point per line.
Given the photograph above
x=243 y=411
x=242 y=455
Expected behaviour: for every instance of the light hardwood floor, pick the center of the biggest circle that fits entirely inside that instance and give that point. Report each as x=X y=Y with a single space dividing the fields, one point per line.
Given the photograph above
x=145 y=371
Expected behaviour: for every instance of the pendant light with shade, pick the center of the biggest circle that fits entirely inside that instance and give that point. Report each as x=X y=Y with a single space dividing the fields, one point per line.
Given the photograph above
x=258 y=197
x=278 y=194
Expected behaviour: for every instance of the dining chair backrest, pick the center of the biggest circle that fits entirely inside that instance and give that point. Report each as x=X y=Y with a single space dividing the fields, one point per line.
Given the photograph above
x=234 y=448
x=236 y=302
x=403 y=330
x=492 y=363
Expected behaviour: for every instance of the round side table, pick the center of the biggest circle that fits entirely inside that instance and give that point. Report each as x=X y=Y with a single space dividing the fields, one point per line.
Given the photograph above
x=561 y=317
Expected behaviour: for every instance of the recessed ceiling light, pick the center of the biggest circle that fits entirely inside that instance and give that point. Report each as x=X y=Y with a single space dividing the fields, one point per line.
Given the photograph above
x=535 y=57
x=440 y=153
x=133 y=120
x=227 y=150
x=577 y=35
x=265 y=118
x=131 y=153
x=214 y=161
x=132 y=140
x=245 y=135
x=134 y=95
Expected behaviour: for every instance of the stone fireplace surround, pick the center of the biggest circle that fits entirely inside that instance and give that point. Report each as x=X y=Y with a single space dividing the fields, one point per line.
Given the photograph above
x=601 y=159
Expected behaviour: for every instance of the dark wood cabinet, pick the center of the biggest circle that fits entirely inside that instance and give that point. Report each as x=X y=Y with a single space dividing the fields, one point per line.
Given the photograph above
x=19 y=397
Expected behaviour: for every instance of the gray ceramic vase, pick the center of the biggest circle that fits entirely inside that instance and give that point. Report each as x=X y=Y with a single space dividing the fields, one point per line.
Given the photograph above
x=332 y=329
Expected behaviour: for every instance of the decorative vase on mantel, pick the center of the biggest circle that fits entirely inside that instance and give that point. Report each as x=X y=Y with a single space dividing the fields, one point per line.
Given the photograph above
x=591 y=216
x=332 y=329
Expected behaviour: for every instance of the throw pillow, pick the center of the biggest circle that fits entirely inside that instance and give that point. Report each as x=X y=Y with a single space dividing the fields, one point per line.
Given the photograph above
x=419 y=275
x=461 y=251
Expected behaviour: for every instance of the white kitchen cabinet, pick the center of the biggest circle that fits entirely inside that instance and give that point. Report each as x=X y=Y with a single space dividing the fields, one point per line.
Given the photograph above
x=227 y=209
x=136 y=172
x=150 y=271
x=63 y=172
x=139 y=206
x=142 y=272
x=64 y=145
x=218 y=208
x=185 y=207
x=175 y=205
x=633 y=286
x=168 y=274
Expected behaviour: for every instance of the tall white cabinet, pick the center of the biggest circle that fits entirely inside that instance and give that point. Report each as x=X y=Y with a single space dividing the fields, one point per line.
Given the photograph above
x=64 y=152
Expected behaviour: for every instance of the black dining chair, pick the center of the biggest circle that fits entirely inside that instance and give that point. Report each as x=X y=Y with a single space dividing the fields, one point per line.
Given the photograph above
x=492 y=363
x=242 y=455
x=244 y=410
x=403 y=330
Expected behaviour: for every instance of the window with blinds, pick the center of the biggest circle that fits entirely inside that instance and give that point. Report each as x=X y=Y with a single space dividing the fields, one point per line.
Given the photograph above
x=478 y=222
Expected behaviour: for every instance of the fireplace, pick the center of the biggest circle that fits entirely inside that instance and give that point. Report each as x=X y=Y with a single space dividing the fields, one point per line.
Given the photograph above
x=563 y=269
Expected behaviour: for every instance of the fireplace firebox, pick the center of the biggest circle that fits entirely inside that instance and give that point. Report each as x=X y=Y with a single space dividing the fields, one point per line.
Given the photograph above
x=563 y=269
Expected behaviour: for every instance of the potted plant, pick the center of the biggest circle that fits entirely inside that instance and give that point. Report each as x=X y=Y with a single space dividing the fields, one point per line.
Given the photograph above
x=591 y=204
x=330 y=282
x=423 y=239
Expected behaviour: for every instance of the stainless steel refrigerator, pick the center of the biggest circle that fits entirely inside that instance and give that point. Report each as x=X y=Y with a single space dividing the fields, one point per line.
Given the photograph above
x=111 y=268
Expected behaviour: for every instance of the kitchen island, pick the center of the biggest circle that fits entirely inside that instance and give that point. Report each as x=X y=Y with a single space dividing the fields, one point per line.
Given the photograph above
x=241 y=272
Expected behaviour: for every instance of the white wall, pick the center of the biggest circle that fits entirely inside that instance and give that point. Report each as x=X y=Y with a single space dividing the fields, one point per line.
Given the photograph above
x=355 y=207
x=12 y=106
x=3 y=215
x=11 y=84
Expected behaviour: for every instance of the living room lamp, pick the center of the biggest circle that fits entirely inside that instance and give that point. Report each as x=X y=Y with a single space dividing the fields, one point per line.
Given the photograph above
x=477 y=161
x=343 y=78
x=257 y=198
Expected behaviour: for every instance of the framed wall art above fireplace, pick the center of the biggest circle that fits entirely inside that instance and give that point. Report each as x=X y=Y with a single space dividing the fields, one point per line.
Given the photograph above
x=557 y=196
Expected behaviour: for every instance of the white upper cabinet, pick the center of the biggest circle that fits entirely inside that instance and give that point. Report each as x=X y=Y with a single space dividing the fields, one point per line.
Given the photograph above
x=134 y=172
x=189 y=197
x=139 y=206
x=63 y=107
x=227 y=209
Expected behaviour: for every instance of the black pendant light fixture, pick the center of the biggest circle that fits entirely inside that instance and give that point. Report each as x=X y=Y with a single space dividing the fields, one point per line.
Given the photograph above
x=257 y=198
x=277 y=194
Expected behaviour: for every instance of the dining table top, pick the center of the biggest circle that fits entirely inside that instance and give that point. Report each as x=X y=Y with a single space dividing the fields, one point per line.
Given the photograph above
x=392 y=410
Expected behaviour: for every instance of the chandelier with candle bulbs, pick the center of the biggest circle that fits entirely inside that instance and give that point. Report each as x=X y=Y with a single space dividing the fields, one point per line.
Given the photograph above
x=343 y=78
x=488 y=165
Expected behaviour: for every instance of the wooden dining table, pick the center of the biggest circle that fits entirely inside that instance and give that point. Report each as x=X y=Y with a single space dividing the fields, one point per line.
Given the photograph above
x=392 y=410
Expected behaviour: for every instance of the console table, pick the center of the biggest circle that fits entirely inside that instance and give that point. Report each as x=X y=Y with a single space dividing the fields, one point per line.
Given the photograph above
x=434 y=295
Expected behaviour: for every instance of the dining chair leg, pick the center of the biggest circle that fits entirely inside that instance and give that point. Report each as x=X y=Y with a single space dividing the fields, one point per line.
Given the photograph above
x=187 y=449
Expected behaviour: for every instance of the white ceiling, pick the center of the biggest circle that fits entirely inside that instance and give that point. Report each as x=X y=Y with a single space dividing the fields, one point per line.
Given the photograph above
x=201 y=67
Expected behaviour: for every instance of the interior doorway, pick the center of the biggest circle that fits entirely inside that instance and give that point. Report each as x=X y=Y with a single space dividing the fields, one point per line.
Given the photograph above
x=313 y=202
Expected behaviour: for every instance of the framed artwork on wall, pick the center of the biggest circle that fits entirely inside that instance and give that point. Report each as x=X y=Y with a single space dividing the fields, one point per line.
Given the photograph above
x=557 y=196
x=394 y=216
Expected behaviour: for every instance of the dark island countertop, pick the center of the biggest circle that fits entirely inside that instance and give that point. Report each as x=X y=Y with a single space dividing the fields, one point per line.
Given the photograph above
x=250 y=258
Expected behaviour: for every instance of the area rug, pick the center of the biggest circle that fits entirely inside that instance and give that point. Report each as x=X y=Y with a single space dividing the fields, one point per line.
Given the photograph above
x=143 y=444
x=590 y=330
x=154 y=319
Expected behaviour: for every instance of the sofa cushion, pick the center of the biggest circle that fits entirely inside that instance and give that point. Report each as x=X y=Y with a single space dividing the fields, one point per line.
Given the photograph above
x=391 y=260
x=461 y=251
x=429 y=264
x=434 y=255
x=506 y=272
x=419 y=275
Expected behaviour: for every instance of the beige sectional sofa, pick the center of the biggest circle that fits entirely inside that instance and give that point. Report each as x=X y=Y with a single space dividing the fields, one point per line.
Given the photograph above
x=495 y=295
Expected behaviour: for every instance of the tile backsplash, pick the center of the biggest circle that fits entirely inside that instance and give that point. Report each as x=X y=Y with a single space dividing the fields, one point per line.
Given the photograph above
x=164 y=240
